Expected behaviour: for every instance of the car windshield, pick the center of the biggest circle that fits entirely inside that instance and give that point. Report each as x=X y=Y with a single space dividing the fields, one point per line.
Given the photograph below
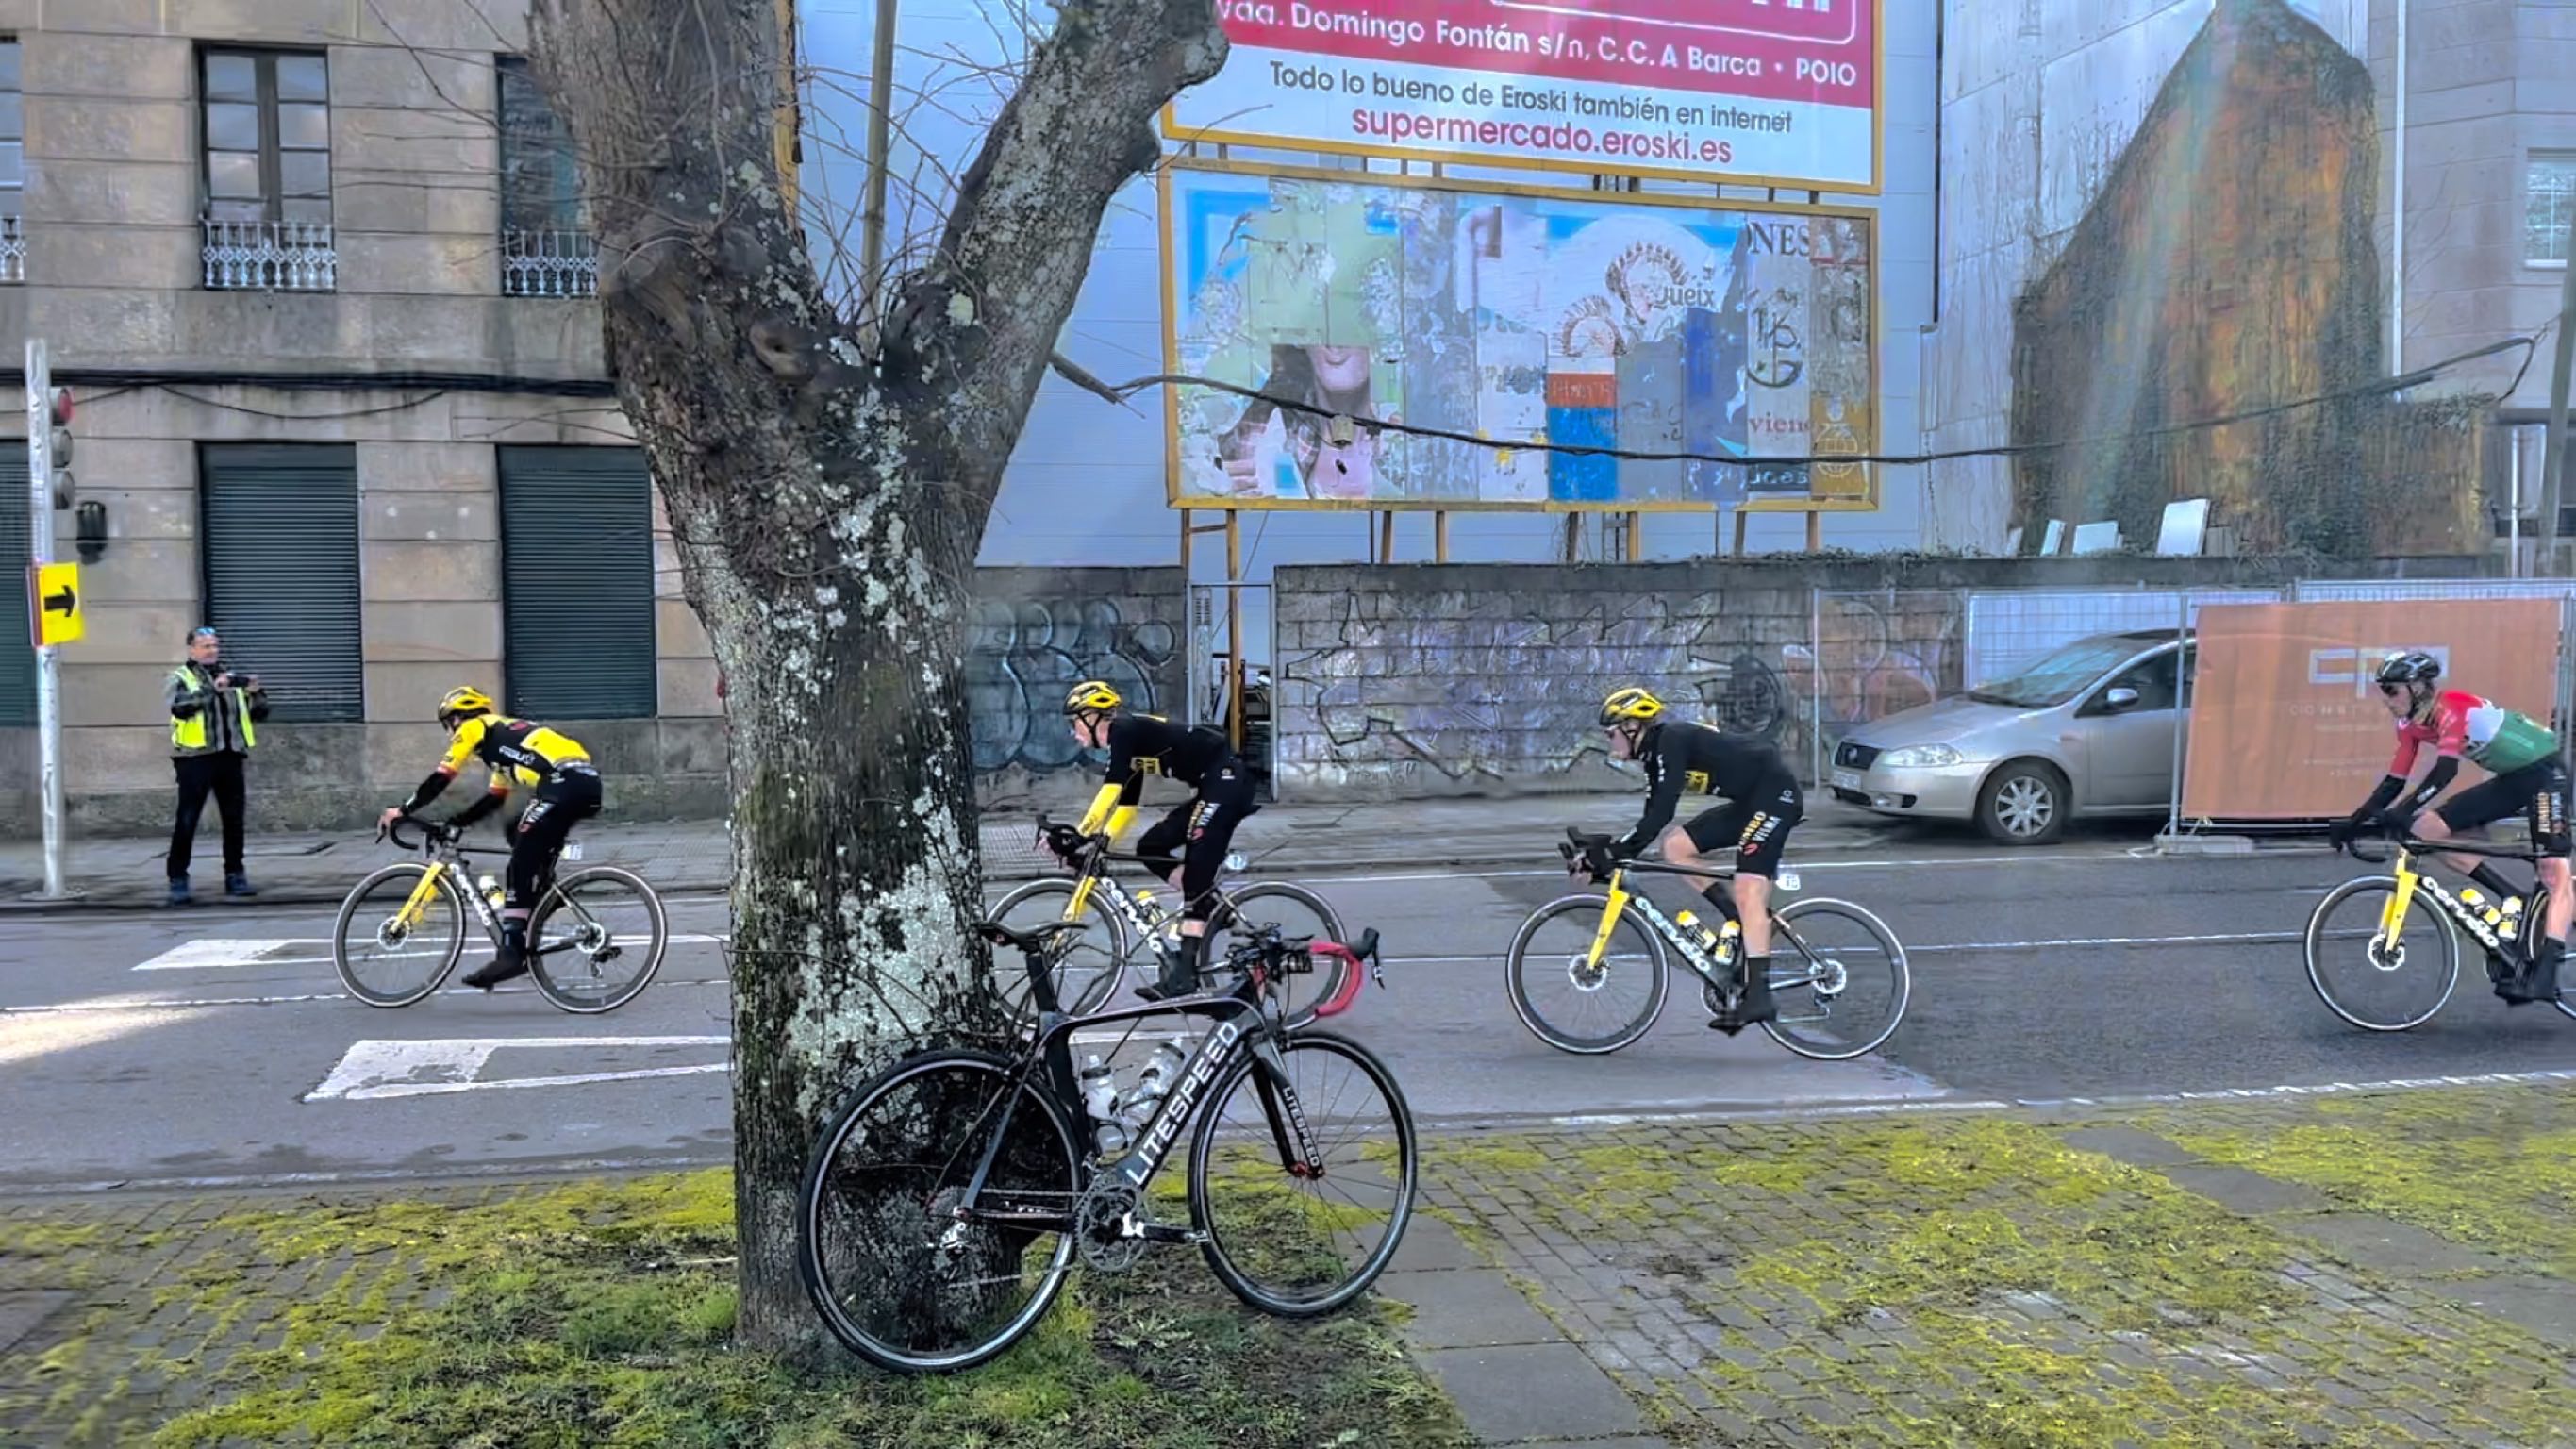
x=2057 y=677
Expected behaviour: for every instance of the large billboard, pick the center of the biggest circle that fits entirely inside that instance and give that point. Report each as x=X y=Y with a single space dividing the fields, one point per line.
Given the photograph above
x=1736 y=334
x=1777 y=92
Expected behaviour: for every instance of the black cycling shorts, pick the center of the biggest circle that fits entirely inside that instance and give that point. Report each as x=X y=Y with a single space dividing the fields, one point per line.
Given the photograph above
x=1757 y=829
x=1197 y=836
x=567 y=797
x=2537 y=792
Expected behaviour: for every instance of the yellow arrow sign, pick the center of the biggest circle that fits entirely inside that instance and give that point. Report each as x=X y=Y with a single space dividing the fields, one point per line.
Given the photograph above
x=54 y=591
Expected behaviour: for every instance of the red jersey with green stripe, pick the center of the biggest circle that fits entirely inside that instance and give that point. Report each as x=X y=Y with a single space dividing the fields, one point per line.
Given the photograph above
x=2487 y=733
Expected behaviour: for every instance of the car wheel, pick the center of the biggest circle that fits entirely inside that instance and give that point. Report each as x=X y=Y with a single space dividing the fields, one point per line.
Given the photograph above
x=2024 y=803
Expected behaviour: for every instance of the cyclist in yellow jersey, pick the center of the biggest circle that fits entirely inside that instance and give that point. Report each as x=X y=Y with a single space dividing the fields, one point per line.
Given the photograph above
x=1187 y=846
x=522 y=752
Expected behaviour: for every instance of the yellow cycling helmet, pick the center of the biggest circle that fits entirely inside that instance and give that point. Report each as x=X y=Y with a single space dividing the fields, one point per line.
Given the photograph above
x=1092 y=696
x=1630 y=706
x=463 y=701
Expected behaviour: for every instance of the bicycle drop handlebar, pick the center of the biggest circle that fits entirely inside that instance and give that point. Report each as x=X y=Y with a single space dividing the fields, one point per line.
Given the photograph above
x=2409 y=841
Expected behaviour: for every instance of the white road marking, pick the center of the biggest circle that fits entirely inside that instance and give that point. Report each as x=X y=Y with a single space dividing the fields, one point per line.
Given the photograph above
x=202 y=955
x=1803 y=866
x=374 y=1069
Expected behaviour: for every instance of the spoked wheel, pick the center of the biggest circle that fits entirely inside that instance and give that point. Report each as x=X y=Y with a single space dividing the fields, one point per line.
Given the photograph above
x=1839 y=979
x=1573 y=1002
x=596 y=939
x=1303 y=1240
x=1087 y=967
x=898 y=1268
x=1296 y=911
x=387 y=958
x=2372 y=982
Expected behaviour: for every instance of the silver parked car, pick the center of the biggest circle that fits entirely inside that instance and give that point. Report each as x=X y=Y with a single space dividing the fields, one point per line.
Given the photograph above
x=2087 y=730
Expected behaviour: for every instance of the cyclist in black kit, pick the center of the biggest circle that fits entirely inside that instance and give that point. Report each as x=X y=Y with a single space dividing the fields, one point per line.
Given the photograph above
x=1188 y=845
x=1763 y=806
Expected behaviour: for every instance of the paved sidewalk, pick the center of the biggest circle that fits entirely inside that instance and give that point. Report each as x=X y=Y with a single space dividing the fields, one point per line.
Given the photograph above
x=1285 y=839
x=2361 y=1271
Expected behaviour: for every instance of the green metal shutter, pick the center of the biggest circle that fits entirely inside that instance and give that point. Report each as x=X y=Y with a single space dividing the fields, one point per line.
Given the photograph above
x=577 y=583
x=17 y=646
x=280 y=548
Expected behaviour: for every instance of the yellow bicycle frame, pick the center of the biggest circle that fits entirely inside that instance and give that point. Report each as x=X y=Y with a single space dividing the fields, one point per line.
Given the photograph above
x=1610 y=917
x=409 y=915
x=2392 y=917
x=1081 y=896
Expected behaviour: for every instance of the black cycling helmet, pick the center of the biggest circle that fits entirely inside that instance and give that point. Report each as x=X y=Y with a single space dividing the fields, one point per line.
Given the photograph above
x=2412 y=666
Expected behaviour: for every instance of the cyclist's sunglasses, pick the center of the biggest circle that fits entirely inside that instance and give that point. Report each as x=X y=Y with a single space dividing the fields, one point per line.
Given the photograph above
x=2392 y=690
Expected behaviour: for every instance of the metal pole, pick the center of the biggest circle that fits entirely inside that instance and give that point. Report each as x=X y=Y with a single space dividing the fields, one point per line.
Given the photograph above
x=2183 y=659
x=2513 y=505
x=2397 y=214
x=2553 y=453
x=40 y=536
x=880 y=124
x=1235 y=675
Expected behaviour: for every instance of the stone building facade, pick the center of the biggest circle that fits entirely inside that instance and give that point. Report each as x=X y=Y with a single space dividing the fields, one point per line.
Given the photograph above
x=319 y=291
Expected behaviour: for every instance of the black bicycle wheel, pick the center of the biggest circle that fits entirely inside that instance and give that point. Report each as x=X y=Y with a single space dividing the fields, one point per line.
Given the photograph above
x=1569 y=999
x=387 y=954
x=899 y=1271
x=1839 y=979
x=2374 y=983
x=1296 y=911
x=1297 y=1243
x=1087 y=967
x=596 y=939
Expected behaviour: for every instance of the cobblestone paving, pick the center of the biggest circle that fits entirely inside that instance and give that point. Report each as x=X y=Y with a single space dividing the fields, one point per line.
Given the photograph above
x=1986 y=1281
x=2351 y=1272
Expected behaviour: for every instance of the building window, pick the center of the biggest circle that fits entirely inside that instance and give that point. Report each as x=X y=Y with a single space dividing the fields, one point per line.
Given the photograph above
x=267 y=122
x=2551 y=186
x=13 y=164
x=279 y=538
x=577 y=627
x=546 y=246
x=17 y=661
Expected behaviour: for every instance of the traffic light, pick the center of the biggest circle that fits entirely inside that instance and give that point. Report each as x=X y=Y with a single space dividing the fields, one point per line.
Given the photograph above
x=58 y=446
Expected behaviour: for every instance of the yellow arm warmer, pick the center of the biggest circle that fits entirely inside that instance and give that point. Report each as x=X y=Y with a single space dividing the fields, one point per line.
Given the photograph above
x=1100 y=811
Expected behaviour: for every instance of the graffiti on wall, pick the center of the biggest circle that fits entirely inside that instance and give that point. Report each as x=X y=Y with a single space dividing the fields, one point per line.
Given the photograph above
x=1452 y=703
x=1024 y=655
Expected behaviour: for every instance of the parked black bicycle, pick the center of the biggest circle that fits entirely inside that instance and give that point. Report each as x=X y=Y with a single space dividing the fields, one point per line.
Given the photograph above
x=946 y=1202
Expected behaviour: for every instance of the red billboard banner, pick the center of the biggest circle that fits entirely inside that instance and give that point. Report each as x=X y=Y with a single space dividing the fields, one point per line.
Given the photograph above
x=1781 y=91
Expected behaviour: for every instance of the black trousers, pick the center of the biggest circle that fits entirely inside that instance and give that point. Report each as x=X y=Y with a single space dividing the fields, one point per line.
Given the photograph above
x=1196 y=836
x=220 y=775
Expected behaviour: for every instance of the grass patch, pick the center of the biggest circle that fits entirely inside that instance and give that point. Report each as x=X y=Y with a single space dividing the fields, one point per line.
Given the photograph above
x=2496 y=1170
x=600 y=1316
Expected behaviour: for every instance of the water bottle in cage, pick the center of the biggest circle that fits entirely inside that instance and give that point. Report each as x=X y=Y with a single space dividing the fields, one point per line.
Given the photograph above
x=1100 y=1101
x=1161 y=1070
x=491 y=890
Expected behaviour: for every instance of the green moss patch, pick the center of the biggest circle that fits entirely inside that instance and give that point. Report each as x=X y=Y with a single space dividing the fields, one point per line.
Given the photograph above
x=600 y=1315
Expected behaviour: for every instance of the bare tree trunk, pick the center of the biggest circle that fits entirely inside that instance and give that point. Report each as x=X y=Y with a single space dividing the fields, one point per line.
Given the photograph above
x=829 y=500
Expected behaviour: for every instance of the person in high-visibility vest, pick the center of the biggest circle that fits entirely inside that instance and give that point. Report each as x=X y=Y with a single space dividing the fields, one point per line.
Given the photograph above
x=214 y=711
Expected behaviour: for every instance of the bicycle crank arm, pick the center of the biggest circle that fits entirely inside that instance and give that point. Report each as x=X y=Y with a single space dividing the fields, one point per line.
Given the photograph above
x=1168 y=1233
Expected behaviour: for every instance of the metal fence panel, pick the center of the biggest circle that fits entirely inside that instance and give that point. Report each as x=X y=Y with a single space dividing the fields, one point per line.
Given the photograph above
x=2009 y=629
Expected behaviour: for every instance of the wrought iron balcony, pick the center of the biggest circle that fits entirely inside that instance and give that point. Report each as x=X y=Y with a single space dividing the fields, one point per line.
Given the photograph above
x=549 y=264
x=270 y=256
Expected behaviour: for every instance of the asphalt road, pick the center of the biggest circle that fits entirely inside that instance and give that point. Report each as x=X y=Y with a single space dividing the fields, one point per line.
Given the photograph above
x=216 y=1045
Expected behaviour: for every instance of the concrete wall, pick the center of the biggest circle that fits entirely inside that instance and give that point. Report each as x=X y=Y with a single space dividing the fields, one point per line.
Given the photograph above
x=2037 y=99
x=1418 y=681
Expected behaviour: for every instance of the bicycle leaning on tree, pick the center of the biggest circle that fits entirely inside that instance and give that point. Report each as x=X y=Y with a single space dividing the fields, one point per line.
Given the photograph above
x=594 y=940
x=944 y=1205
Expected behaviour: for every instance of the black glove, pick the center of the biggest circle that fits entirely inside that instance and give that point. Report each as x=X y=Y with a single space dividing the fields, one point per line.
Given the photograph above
x=2343 y=832
x=2394 y=820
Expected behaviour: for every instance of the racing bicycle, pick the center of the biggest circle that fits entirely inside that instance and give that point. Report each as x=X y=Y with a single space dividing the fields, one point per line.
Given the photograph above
x=2402 y=973
x=1838 y=974
x=1116 y=924
x=946 y=1202
x=594 y=940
